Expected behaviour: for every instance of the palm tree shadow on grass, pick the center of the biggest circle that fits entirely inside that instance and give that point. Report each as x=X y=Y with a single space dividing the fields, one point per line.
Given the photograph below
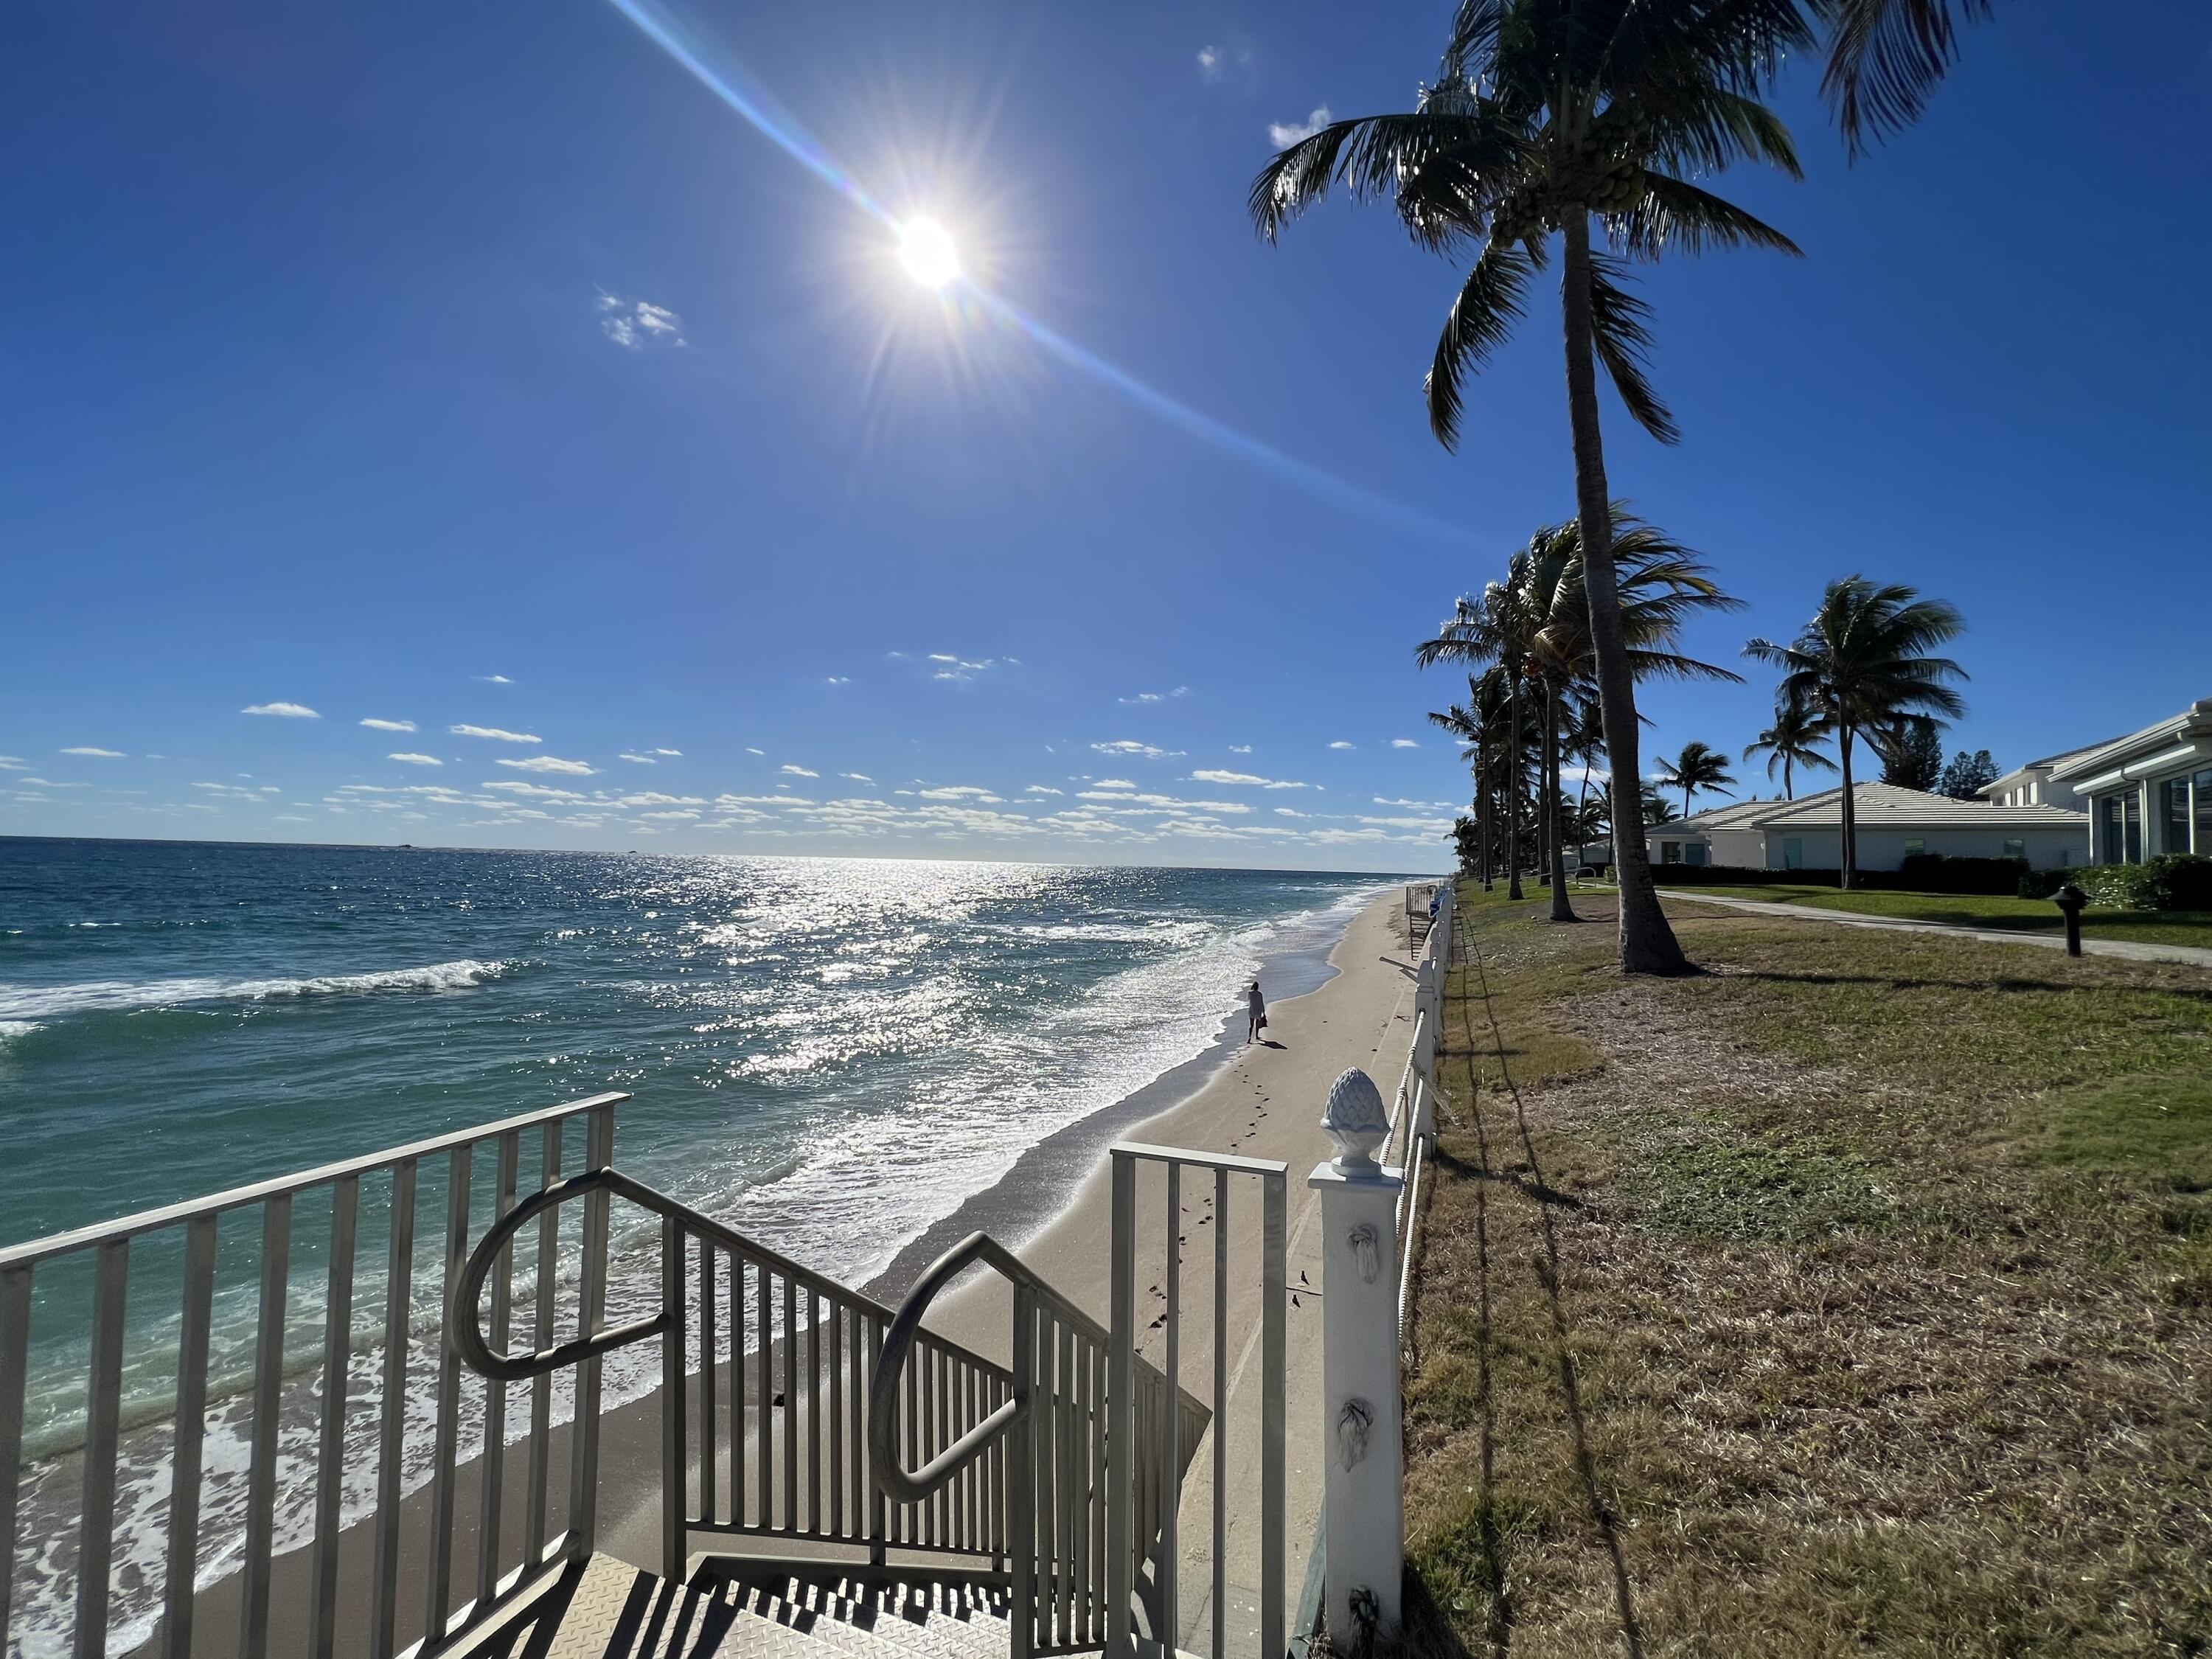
x=2010 y=986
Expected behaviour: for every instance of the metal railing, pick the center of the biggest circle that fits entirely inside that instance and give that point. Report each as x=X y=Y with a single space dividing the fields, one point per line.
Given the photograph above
x=1050 y=1448
x=278 y=1357
x=1137 y=1480
x=770 y=1429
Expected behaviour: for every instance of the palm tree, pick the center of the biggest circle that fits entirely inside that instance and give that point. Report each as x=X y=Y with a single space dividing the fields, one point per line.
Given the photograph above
x=1792 y=741
x=1862 y=663
x=1545 y=114
x=1495 y=628
x=1475 y=729
x=1697 y=767
x=1657 y=809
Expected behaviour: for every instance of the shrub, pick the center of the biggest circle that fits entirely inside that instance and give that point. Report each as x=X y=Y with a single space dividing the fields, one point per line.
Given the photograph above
x=2173 y=881
x=2117 y=886
x=2180 y=881
x=1938 y=872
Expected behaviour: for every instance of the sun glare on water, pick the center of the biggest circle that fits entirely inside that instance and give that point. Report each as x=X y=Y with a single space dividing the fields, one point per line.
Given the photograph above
x=926 y=250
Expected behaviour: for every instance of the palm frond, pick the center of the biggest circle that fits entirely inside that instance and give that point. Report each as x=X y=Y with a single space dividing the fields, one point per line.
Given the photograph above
x=1481 y=320
x=1373 y=155
x=1886 y=57
x=1623 y=337
x=1677 y=214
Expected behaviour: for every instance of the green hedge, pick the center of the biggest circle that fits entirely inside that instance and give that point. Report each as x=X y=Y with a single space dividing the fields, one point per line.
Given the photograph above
x=1937 y=872
x=1721 y=875
x=2173 y=881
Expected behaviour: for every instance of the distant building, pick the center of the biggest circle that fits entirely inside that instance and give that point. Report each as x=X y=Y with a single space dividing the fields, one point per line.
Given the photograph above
x=2031 y=785
x=2146 y=793
x=1893 y=823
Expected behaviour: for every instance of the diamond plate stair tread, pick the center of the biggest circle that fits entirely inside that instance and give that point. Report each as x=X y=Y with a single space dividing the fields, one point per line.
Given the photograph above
x=614 y=1611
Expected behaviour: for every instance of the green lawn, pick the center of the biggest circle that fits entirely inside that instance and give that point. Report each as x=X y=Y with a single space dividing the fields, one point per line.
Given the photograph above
x=1972 y=910
x=1851 y=1296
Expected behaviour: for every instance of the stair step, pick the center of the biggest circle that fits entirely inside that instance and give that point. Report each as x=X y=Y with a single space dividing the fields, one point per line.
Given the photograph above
x=607 y=1609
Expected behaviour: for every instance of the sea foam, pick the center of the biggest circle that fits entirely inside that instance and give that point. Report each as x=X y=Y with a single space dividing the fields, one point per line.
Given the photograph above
x=21 y=1003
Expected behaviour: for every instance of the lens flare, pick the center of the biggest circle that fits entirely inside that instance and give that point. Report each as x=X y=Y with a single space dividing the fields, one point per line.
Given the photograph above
x=926 y=250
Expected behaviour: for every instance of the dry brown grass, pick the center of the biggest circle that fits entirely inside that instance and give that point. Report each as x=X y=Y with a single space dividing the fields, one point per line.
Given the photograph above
x=1827 y=1302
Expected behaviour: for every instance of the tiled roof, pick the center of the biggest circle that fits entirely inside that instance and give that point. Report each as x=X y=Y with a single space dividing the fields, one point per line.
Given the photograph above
x=1880 y=805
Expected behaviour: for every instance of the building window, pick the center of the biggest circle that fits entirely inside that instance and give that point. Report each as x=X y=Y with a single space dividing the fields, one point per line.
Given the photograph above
x=1694 y=853
x=2108 y=829
x=1793 y=854
x=2173 y=816
x=2131 y=817
x=2204 y=793
x=2015 y=846
x=1670 y=851
x=1914 y=846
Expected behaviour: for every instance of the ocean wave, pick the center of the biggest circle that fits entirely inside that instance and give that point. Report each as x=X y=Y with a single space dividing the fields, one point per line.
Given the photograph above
x=21 y=1003
x=12 y=1029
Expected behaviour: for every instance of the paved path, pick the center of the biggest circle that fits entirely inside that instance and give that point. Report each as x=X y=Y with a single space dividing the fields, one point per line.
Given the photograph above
x=2193 y=956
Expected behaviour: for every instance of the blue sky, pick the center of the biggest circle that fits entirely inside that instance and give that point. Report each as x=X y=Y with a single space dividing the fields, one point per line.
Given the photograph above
x=479 y=368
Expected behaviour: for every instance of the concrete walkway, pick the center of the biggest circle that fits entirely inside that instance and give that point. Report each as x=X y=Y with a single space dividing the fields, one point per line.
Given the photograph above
x=2191 y=955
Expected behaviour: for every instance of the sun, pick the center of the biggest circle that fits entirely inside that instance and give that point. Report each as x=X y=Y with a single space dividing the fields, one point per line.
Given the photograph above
x=926 y=250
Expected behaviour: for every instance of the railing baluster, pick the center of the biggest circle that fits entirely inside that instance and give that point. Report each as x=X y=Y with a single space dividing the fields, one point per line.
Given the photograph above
x=735 y=1405
x=391 y=1430
x=330 y=1452
x=878 y=1506
x=1098 y=1502
x=790 y=1403
x=674 y=1541
x=536 y=1521
x=1220 y=1414
x=14 y=1364
x=490 y=1504
x=179 y=1586
x=764 y=1403
x=591 y=1300
x=1274 y=1318
x=813 y=1412
x=1022 y=1458
x=835 y=1472
x=268 y=1386
x=709 y=1495
x=1064 y=1552
x=103 y=1426
x=438 y=1589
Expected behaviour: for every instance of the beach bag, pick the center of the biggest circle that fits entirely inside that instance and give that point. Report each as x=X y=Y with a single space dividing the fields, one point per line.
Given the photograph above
x=1263 y=1022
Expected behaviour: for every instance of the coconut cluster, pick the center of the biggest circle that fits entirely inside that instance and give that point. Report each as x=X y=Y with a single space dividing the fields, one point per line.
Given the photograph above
x=1594 y=171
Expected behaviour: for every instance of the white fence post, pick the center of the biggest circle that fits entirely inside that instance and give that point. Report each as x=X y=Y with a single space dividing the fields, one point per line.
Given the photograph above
x=1364 y=1497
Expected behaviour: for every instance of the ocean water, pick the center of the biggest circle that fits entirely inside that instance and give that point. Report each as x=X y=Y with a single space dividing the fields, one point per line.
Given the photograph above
x=828 y=1054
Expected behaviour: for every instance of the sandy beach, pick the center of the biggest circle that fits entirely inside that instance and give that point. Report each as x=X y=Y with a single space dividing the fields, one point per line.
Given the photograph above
x=1263 y=1101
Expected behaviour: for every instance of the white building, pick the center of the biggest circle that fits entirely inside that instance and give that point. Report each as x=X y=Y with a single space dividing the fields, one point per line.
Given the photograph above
x=2149 y=793
x=1893 y=824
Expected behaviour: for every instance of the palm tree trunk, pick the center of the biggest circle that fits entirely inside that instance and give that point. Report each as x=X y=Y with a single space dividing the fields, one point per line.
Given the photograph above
x=1513 y=799
x=1789 y=792
x=1485 y=808
x=1850 y=875
x=1562 y=910
x=1647 y=943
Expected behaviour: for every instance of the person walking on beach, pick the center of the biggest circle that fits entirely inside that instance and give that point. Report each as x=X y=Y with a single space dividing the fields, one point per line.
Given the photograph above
x=1255 y=1010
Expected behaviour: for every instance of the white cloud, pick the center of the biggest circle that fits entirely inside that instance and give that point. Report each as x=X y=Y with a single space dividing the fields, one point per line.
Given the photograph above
x=1130 y=747
x=290 y=711
x=389 y=725
x=1340 y=744
x=417 y=760
x=841 y=680
x=102 y=754
x=495 y=679
x=1214 y=774
x=791 y=771
x=857 y=777
x=534 y=791
x=1284 y=133
x=12 y=762
x=495 y=733
x=1403 y=743
x=1043 y=789
x=1156 y=696
x=1240 y=748
x=1290 y=812
x=1114 y=783
x=756 y=751
x=633 y=325
x=1209 y=64
x=678 y=753
x=949 y=667
x=962 y=792
x=547 y=764
x=642 y=760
